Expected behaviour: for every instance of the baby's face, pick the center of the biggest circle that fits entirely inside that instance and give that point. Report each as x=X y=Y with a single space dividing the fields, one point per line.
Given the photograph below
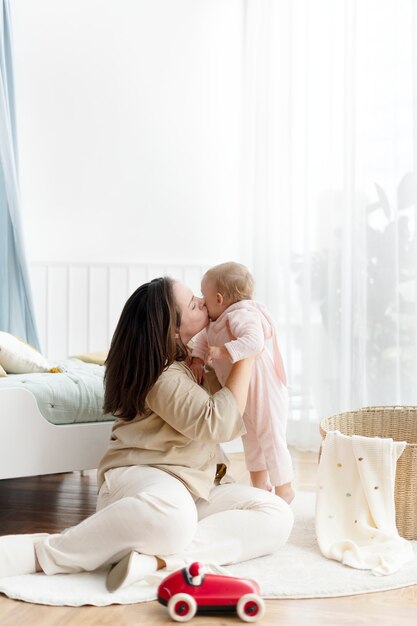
x=211 y=299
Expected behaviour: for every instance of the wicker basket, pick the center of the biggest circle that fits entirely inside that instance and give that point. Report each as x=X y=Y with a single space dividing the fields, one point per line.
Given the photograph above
x=400 y=424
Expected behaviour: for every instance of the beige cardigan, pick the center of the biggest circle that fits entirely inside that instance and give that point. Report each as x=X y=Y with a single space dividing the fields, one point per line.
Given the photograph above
x=181 y=433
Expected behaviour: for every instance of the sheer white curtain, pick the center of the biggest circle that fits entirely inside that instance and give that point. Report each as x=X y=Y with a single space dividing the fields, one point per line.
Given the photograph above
x=329 y=197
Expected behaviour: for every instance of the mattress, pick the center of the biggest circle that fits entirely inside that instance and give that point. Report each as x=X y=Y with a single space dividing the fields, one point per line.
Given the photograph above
x=75 y=395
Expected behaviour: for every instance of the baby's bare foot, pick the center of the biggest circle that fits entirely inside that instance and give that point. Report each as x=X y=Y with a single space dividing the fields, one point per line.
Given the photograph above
x=262 y=485
x=286 y=492
x=260 y=480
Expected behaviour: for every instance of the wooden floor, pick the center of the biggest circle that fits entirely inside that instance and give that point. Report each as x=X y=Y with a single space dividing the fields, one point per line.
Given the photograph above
x=51 y=503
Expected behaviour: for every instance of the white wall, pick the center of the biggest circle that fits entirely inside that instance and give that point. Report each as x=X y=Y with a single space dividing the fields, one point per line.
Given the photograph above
x=128 y=116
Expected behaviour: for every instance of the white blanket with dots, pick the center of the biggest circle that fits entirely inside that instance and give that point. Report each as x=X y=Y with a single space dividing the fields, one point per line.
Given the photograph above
x=355 y=510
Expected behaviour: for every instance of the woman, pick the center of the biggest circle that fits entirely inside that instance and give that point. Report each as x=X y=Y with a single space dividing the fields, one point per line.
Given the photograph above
x=160 y=502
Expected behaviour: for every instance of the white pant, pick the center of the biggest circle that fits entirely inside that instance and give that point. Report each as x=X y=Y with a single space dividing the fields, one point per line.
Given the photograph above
x=145 y=509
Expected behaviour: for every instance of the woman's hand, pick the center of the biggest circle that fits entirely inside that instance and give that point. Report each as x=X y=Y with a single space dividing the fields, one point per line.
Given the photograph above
x=197 y=368
x=214 y=353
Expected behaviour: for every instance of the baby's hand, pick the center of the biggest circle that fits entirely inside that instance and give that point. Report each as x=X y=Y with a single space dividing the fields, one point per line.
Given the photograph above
x=214 y=353
x=197 y=368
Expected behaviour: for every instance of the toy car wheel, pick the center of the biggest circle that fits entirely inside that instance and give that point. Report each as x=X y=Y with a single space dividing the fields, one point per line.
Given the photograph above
x=250 y=607
x=182 y=607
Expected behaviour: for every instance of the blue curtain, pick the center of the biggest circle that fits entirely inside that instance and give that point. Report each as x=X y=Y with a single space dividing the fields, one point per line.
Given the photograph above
x=16 y=309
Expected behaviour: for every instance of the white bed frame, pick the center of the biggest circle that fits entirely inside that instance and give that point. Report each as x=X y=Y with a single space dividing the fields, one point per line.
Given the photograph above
x=30 y=445
x=77 y=306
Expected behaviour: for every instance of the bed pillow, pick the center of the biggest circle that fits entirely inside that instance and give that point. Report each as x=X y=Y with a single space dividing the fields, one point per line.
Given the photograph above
x=2 y=372
x=92 y=357
x=18 y=357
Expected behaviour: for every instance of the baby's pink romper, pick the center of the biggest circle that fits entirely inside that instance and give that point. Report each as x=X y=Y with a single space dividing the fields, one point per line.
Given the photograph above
x=265 y=415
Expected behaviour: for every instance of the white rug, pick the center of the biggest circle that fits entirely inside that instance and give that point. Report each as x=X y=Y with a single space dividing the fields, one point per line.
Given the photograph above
x=298 y=570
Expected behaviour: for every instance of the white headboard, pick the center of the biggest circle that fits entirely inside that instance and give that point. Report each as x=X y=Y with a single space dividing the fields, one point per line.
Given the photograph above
x=77 y=305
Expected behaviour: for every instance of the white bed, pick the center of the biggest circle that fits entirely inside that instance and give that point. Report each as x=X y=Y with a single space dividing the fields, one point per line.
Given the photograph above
x=77 y=306
x=31 y=445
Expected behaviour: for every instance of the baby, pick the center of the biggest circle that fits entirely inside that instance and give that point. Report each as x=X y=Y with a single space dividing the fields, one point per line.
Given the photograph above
x=238 y=328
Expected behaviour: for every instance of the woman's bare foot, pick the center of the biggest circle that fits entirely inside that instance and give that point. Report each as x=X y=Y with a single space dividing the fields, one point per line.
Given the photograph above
x=17 y=553
x=286 y=492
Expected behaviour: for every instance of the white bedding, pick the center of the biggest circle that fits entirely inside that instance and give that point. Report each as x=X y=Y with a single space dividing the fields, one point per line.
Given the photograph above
x=73 y=396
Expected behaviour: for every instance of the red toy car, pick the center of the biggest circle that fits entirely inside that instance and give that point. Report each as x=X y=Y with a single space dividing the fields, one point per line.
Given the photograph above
x=190 y=589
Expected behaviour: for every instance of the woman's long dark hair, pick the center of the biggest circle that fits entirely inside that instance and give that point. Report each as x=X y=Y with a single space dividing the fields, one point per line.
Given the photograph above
x=144 y=344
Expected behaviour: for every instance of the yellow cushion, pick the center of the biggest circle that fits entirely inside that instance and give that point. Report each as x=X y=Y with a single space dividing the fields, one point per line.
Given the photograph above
x=92 y=357
x=2 y=372
x=18 y=357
